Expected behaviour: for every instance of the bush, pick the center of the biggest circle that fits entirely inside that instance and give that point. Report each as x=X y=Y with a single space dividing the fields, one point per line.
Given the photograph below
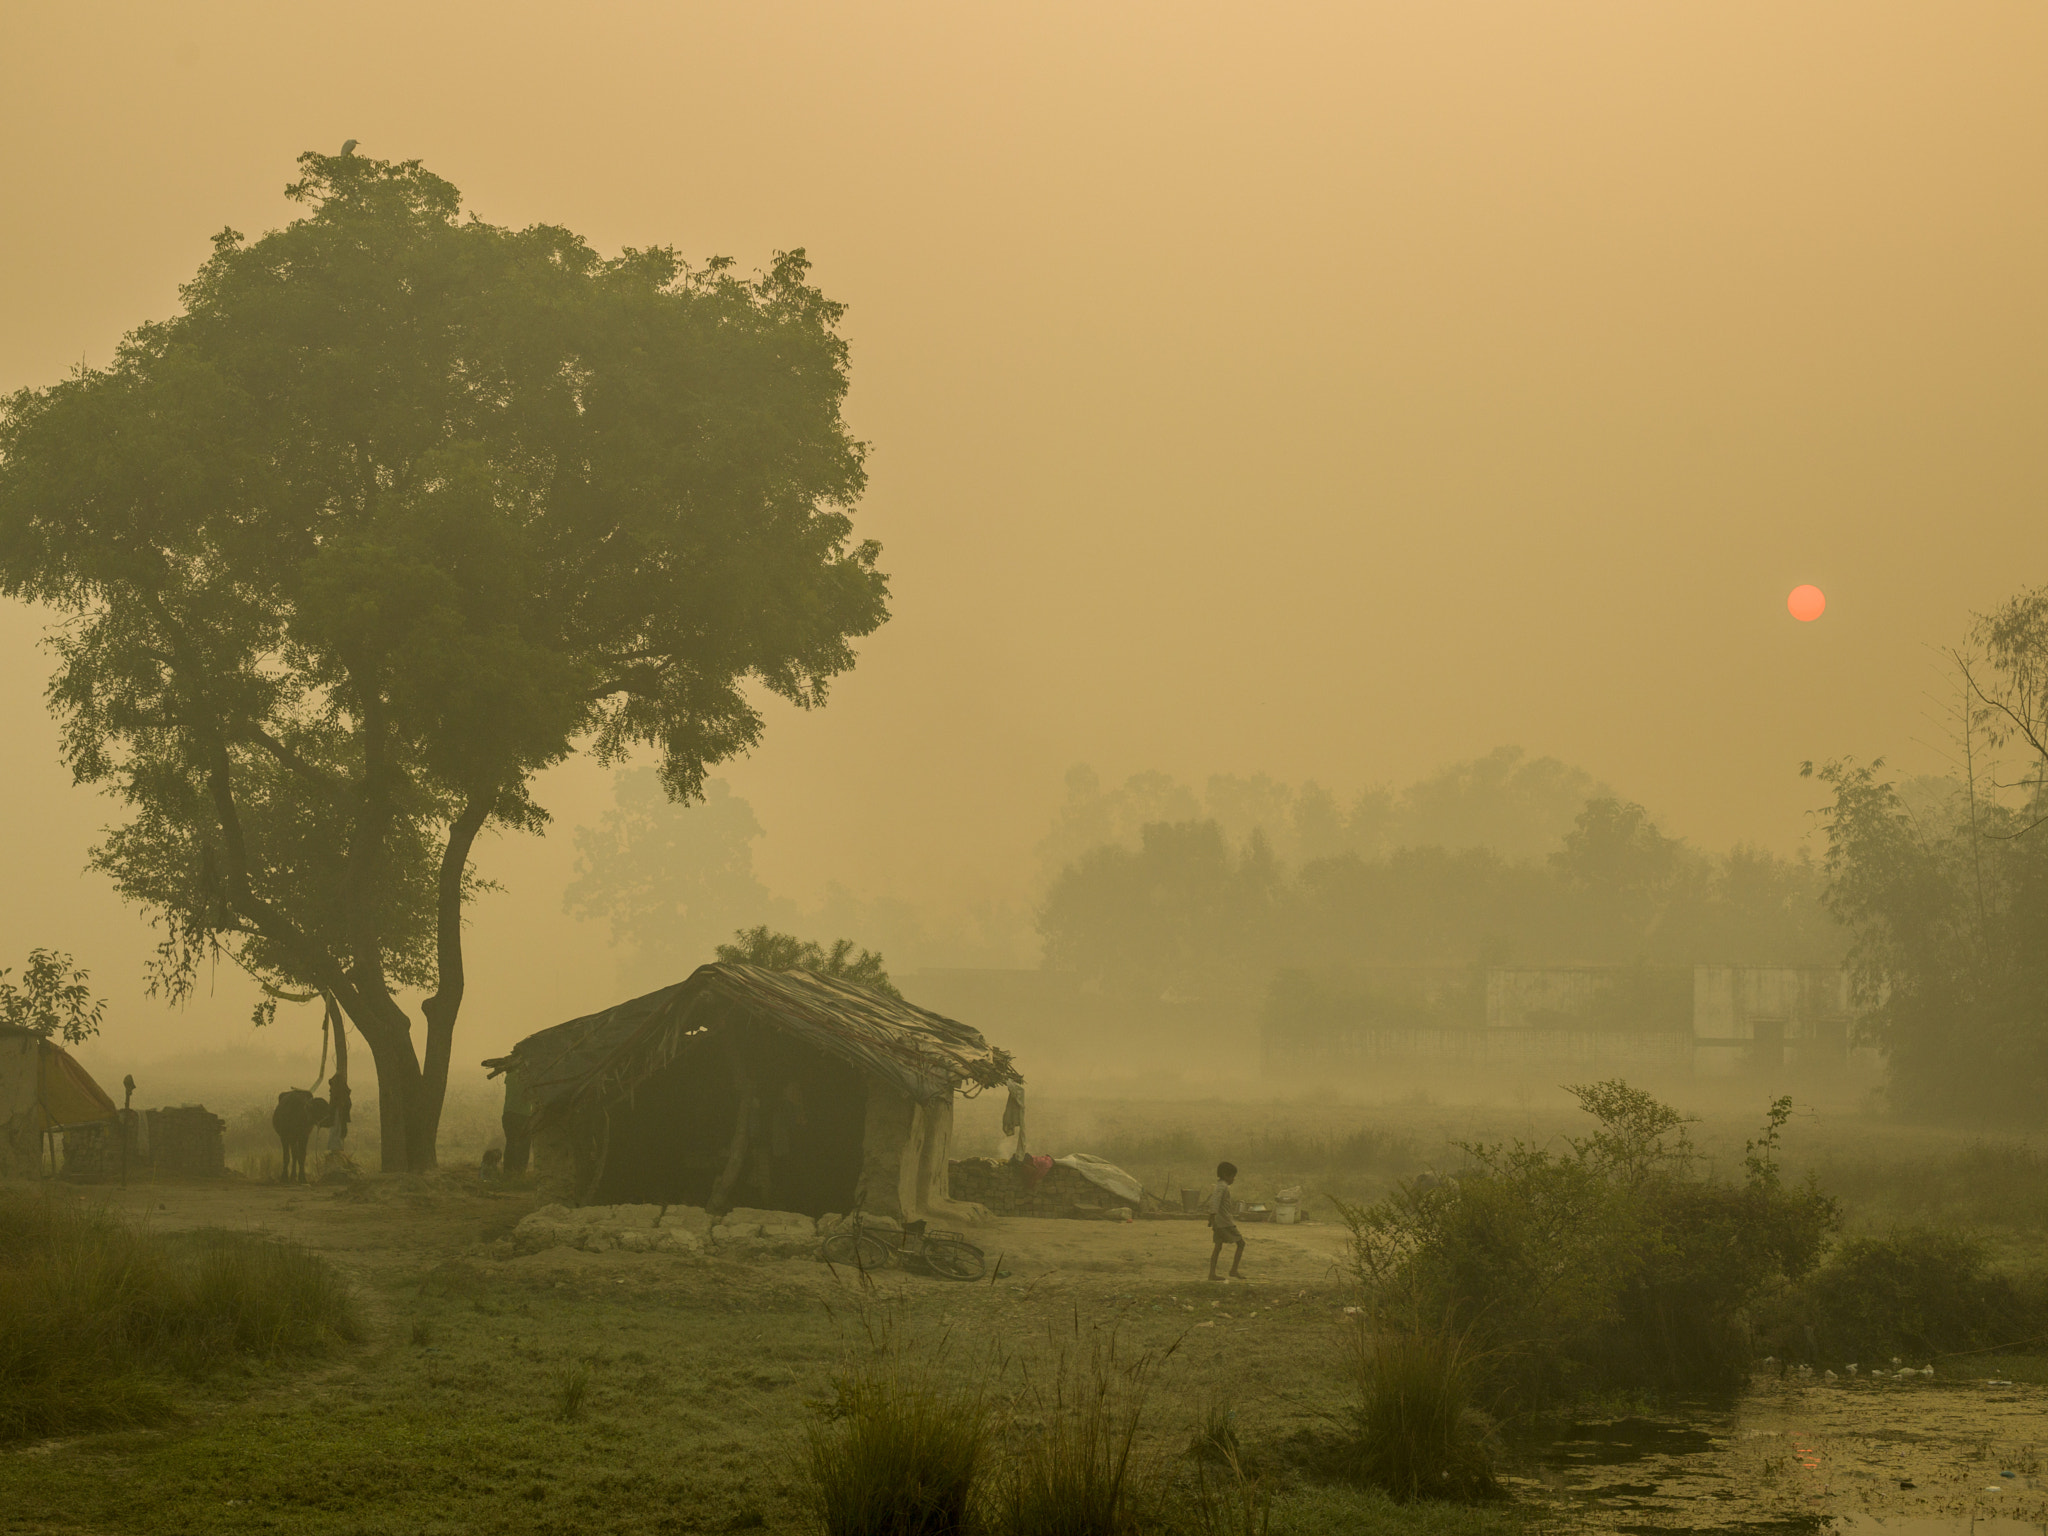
x=94 y=1314
x=1918 y=1292
x=1419 y=1433
x=895 y=1453
x=1607 y=1266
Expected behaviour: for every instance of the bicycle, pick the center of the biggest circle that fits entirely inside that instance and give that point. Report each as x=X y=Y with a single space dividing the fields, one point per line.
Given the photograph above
x=945 y=1254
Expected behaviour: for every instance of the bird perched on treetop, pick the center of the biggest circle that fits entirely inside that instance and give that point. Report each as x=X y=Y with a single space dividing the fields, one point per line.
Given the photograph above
x=349 y=148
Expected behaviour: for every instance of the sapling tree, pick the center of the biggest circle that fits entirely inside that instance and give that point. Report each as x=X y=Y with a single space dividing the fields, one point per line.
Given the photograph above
x=400 y=510
x=53 y=997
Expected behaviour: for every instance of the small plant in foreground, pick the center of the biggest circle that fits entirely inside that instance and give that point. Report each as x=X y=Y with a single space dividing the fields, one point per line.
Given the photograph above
x=1215 y=1439
x=895 y=1453
x=1230 y=1500
x=1418 y=1433
x=1081 y=1475
x=572 y=1391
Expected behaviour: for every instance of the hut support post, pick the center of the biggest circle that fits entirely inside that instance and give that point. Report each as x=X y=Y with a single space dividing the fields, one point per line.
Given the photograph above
x=736 y=1155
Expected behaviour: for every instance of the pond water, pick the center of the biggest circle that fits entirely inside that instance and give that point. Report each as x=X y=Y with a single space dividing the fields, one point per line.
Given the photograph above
x=1792 y=1459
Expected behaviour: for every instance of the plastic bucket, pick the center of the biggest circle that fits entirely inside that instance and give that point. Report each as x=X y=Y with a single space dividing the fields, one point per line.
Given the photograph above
x=1286 y=1214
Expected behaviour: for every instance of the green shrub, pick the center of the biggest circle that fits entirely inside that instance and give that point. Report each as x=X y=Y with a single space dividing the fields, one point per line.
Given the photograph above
x=1917 y=1291
x=896 y=1453
x=1607 y=1266
x=94 y=1314
x=1418 y=1432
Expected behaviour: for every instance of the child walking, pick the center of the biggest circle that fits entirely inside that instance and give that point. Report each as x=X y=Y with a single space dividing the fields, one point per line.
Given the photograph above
x=1223 y=1222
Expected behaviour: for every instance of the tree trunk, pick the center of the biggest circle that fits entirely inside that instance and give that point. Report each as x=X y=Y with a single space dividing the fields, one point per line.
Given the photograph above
x=407 y=1134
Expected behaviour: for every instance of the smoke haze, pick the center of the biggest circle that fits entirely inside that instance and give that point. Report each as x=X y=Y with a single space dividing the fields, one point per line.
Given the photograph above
x=1324 y=392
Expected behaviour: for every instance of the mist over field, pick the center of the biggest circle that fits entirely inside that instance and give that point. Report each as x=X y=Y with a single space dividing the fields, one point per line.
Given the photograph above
x=1023 y=770
x=1288 y=405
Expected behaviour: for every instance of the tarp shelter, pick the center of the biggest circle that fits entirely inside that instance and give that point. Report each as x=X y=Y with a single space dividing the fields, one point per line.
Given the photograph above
x=785 y=1090
x=41 y=1089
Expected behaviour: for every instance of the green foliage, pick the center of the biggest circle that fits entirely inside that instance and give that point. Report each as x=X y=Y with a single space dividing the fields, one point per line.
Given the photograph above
x=94 y=1315
x=1944 y=885
x=896 y=1452
x=1418 y=1432
x=54 y=998
x=1919 y=1292
x=785 y=952
x=401 y=510
x=1608 y=1265
x=1947 y=899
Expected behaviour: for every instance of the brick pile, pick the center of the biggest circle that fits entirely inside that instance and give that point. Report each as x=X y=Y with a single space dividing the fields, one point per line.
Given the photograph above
x=94 y=1151
x=188 y=1139
x=1006 y=1189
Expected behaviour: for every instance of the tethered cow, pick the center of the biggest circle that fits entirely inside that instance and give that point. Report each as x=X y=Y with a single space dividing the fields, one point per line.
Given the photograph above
x=297 y=1113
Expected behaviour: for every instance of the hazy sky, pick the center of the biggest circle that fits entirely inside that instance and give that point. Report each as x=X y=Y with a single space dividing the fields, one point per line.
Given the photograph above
x=1328 y=390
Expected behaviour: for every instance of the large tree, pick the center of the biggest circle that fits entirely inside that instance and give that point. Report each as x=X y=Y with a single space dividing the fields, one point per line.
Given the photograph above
x=1944 y=883
x=401 y=509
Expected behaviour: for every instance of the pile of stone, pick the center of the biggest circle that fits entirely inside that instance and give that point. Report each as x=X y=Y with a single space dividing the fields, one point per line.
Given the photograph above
x=679 y=1229
x=190 y=1139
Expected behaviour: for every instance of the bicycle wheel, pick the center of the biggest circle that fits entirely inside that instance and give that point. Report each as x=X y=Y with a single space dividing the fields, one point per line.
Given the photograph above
x=856 y=1250
x=954 y=1260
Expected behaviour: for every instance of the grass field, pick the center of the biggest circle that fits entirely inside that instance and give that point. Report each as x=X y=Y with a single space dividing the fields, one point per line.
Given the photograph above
x=568 y=1392
x=597 y=1393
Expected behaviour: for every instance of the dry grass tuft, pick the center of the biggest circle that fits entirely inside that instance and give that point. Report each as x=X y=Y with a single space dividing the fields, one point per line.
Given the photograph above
x=897 y=1451
x=1080 y=1474
x=1419 y=1434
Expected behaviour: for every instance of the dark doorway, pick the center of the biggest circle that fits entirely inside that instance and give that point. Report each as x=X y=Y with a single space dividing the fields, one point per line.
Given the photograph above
x=671 y=1140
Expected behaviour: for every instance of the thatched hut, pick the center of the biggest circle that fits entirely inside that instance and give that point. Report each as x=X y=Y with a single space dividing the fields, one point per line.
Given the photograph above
x=42 y=1088
x=784 y=1090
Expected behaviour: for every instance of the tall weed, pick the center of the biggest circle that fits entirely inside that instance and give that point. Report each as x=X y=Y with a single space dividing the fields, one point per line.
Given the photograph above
x=1418 y=1431
x=1081 y=1473
x=897 y=1451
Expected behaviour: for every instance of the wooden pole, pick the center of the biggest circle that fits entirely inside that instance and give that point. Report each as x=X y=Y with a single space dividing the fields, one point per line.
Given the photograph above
x=736 y=1155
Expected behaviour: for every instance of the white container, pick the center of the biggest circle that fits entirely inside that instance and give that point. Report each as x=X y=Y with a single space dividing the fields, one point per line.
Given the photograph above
x=1286 y=1215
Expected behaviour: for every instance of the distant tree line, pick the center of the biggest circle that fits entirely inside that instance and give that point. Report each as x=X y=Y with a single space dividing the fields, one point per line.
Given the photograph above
x=1189 y=912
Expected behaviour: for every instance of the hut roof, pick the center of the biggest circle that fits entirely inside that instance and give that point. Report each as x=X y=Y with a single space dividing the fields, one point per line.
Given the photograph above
x=592 y=1060
x=65 y=1093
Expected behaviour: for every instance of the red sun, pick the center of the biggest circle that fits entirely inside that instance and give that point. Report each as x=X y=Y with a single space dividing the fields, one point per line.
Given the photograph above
x=1806 y=604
